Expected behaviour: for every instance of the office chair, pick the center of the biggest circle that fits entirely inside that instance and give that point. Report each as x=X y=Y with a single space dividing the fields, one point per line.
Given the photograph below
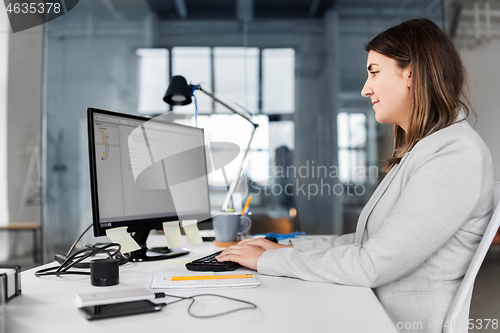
x=459 y=310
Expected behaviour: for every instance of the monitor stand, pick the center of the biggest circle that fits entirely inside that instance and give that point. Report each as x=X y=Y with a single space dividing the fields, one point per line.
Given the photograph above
x=163 y=252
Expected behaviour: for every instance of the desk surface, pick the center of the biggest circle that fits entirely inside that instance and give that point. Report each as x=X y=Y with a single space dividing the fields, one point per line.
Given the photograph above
x=284 y=305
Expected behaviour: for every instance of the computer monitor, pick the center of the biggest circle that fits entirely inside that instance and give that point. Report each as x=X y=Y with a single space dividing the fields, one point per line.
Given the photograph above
x=145 y=172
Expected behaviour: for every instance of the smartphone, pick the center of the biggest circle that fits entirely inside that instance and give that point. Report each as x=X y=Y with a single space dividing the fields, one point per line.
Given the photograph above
x=120 y=309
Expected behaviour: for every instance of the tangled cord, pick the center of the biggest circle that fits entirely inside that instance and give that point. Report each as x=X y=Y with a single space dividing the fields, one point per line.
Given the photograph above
x=192 y=298
x=76 y=258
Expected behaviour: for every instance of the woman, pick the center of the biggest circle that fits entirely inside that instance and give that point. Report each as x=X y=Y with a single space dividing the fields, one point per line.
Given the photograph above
x=417 y=234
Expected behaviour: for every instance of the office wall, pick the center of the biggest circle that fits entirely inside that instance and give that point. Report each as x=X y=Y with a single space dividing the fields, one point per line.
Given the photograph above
x=4 y=212
x=318 y=84
x=24 y=113
x=484 y=76
x=24 y=109
x=21 y=98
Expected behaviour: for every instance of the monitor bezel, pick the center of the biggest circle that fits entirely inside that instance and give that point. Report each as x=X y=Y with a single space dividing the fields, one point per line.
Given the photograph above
x=134 y=225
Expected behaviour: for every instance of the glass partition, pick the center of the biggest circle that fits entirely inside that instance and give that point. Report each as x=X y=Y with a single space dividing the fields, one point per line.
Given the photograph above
x=92 y=57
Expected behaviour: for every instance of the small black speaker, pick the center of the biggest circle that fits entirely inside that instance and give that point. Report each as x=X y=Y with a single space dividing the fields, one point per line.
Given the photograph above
x=104 y=272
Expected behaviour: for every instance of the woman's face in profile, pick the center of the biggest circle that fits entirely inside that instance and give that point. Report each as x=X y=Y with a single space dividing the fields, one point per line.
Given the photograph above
x=388 y=87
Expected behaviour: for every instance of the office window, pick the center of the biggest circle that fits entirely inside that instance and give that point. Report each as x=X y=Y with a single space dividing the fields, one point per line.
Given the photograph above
x=278 y=80
x=259 y=80
x=153 y=79
x=351 y=129
x=240 y=78
x=232 y=128
x=281 y=133
x=194 y=63
x=236 y=71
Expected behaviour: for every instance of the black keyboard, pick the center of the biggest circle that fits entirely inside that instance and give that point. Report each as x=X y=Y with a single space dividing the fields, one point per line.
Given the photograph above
x=210 y=264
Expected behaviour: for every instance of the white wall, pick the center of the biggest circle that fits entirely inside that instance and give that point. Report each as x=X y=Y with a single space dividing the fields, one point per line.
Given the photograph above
x=484 y=88
x=23 y=118
x=23 y=127
x=4 y=51
x=20 y=110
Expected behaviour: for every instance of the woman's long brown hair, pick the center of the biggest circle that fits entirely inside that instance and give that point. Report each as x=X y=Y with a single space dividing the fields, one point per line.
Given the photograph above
x=438 y=80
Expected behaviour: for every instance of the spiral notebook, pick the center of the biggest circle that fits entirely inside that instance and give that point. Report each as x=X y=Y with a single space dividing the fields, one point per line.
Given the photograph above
x=162 y=280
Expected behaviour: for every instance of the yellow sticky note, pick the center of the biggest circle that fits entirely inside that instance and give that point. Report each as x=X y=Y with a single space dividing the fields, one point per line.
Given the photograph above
x=173 y=234
x=122 y=237
x=192 y=231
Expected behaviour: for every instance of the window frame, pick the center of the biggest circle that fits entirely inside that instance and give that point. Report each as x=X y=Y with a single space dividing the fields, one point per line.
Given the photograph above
x=350 y=180
x=273 y=117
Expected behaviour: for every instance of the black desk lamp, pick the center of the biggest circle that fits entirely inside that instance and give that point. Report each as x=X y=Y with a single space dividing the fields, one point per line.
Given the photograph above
x=179 y=93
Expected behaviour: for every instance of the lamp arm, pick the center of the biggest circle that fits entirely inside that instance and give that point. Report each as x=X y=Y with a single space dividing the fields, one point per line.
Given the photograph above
x=247 y=118
x=235 y=181
x=232 y=188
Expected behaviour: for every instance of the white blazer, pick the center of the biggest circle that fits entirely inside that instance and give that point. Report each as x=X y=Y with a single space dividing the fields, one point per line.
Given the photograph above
x=416 y=235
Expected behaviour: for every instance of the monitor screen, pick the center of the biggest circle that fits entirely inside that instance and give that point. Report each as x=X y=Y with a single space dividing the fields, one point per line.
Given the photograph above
x=145 y=172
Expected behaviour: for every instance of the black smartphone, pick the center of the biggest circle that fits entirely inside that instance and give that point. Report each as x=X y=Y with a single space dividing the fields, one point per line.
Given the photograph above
x=120 y=309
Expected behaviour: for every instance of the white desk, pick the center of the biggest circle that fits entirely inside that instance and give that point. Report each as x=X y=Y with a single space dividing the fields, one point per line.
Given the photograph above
x=284 y=305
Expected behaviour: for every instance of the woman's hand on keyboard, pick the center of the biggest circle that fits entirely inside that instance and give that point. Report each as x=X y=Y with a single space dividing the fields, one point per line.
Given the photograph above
x=244 y=254
x=263 y=243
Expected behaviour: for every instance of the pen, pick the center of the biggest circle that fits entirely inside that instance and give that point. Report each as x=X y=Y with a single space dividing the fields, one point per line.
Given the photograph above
x=243 y=212
x=210 y=277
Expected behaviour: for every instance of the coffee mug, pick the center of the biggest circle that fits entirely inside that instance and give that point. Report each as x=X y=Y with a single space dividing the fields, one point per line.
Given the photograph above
x=227 y=226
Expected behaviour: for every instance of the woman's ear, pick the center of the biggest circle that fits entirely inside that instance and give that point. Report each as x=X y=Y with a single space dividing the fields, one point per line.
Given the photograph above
x=408 y=74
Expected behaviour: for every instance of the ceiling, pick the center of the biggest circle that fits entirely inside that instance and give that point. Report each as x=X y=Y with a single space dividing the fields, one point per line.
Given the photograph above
x=258 y=10
x=296 y=9
x=238 y=9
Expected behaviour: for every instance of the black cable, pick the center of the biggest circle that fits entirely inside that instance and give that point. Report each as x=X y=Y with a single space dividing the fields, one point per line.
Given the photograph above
x=76 y=258
x=76 y=241
x=46 y=271
x=79 y=256
x=193 y=299
x=181 y=298
x=252 y=306
x=87 y=253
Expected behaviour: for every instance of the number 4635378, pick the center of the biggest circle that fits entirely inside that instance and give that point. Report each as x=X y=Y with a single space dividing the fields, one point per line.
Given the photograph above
x=32 y=8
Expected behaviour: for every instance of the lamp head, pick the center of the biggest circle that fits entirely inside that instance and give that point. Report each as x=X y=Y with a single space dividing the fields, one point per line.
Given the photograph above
x=178 y=92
